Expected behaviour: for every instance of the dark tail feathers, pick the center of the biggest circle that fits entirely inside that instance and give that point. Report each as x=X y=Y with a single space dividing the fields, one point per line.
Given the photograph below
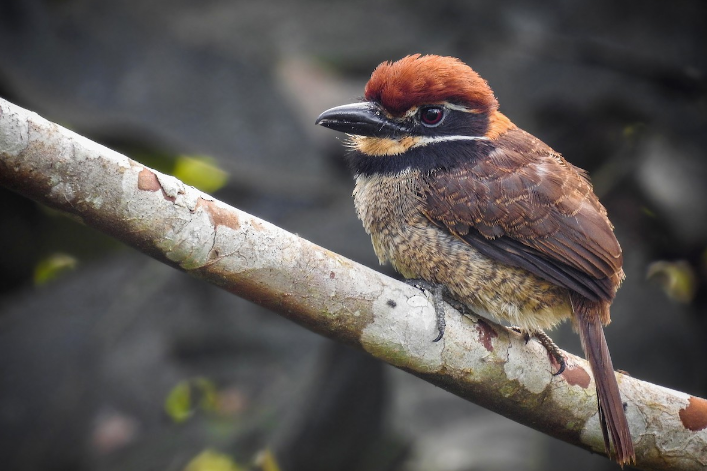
x=614 y=426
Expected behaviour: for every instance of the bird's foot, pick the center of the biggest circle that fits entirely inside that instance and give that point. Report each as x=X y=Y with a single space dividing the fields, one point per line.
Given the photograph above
x=440 y=294
x=546 y=342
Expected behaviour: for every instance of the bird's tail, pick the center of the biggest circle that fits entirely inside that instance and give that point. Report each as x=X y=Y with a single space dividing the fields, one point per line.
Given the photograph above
x=614 y=426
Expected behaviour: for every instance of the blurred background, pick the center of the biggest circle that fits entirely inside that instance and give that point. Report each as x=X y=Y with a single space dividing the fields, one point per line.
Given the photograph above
x=112 y=361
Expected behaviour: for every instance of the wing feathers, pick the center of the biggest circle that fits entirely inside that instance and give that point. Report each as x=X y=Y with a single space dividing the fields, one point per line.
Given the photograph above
x=519 y=202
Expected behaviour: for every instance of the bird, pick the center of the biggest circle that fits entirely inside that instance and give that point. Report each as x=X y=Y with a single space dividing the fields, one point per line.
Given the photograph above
x=455 y=195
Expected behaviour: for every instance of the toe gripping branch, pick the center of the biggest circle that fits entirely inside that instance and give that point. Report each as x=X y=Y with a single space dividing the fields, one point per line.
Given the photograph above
x=546 y=342
x=440 y=294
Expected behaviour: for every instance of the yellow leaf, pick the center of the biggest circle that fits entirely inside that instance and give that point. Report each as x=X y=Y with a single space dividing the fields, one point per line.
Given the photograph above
x=52 y=267
x=210 y=460
x=189 y=395
x=178 y=403
x=201 y=172
x=676 y=278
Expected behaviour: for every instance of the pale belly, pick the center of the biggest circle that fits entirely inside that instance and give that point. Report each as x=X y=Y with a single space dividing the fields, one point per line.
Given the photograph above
x=488 y=288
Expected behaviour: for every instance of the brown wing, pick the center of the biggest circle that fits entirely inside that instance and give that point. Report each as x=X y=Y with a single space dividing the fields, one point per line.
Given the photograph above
x=521 y=203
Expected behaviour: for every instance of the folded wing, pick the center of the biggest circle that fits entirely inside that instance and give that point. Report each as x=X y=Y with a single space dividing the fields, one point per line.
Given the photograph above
x=522 y=204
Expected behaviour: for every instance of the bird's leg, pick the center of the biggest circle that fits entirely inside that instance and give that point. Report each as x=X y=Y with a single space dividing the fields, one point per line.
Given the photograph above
x=552 y=349
x=546 y=342
x=440 y=293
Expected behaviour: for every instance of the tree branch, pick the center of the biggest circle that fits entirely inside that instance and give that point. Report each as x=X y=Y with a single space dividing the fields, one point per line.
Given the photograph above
x=477 y=359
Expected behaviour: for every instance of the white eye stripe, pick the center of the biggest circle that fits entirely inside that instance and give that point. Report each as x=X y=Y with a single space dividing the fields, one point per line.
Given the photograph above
x=424 y=140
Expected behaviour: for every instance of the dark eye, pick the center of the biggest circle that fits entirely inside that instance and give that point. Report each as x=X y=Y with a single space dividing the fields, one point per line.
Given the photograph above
x=431 y=115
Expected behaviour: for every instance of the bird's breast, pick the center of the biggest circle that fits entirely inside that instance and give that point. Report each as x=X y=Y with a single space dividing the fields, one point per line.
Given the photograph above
x=388 y=207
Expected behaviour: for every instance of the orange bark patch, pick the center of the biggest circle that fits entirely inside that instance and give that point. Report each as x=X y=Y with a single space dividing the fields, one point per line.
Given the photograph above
x=577 y=377
x=486 y=334
x=694 y=416
x=219 y=216
x=147 y=181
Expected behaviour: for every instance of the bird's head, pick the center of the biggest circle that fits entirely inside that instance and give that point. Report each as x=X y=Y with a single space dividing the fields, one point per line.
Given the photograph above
x=418 y=102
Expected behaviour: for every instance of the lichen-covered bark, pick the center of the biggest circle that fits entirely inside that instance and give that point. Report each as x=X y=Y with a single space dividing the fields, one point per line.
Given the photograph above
x=477 y=359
